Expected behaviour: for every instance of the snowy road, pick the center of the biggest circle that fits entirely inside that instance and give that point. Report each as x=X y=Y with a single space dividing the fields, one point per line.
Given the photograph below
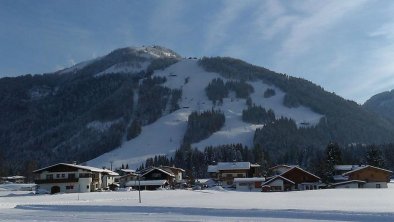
x=135 y=213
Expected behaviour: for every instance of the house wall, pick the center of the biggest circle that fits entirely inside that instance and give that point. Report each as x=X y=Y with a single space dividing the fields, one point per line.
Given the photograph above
x=376 y=185
x=349 y=185
x=278 y=184
x=370 y=175
x=227 y=176
x=107 y=180
x=66 y=180
x=82 y=186
x=248 y=186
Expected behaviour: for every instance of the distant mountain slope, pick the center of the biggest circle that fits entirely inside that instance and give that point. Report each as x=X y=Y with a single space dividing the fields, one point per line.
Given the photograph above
x=345 y=121
x=382 y=104
x=134 y=103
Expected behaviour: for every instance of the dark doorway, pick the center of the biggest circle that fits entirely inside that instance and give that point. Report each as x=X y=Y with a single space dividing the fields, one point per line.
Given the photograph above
x=55 y=189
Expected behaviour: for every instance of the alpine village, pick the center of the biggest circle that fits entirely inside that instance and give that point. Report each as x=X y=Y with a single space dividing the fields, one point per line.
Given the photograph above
x=147 y=119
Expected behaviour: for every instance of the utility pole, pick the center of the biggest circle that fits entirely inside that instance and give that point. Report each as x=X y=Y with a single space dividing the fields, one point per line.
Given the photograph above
x=139 y=187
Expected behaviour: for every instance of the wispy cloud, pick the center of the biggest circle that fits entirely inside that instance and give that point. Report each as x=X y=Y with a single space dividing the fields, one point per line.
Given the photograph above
x=217 y=30
x=320 y=17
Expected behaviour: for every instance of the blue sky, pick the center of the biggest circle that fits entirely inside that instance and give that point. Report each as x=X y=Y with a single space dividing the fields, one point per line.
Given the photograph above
x=347 y=47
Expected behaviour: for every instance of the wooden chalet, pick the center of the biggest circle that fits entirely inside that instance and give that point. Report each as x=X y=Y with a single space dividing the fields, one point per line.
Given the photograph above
x=374 y=177
x=294 y=178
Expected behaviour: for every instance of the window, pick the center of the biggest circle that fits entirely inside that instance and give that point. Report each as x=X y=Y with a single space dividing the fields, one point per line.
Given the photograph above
x=257 y=184
x=377 y=185
x=240 y=175
x=49 y=177
x=63 y=175
x=71 y=187
x=71 y=175
x=58 y=175
x=84 y=175
x=87 y=186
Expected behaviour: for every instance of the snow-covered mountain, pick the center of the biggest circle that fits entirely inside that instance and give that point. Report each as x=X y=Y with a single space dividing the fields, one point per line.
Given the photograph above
x=165 y=135
x=135 y=102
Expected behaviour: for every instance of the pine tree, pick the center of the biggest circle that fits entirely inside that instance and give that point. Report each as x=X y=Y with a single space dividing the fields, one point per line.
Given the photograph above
x=374 y=157
x=333 y=157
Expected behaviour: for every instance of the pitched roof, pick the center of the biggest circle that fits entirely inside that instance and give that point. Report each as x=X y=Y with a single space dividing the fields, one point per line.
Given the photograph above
x=127 y=170
x=276 y=178
x=156 y=168
x=282 y=165
x=367 y=166
x=89 y=168
x=172 y=168
x=299 y=168
x=347 y=167
x=229 y=166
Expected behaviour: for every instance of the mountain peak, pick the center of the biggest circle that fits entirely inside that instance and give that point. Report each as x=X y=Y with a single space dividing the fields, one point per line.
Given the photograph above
x=153 y=51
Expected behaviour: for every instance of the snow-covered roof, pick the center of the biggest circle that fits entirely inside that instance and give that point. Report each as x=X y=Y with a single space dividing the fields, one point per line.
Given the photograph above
x=13 y=177
x=89 y=168
x=111 y=173
x=133 y=183
x=347 y=167
x=277 y=178
x=340 y=178
x=127 y=170
x=283 y=166
x=212 y=169
x=367 y=166
x=161 y=170
x=229 y=166
x=172 y=168
x=251 y=179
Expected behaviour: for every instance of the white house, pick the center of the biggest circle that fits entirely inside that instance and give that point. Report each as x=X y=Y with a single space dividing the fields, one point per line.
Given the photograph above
x=73 y=178
x=225 y=172
x=249 y=184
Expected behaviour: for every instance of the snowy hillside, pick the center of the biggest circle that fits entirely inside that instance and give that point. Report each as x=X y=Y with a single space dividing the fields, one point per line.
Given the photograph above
x=165 y=135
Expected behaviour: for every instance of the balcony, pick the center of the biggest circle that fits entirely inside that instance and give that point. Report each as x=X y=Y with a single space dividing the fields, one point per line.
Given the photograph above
x=67 y=180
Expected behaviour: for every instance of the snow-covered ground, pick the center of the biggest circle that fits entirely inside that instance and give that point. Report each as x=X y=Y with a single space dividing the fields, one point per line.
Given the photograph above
x=204 y=205
x=165 y=135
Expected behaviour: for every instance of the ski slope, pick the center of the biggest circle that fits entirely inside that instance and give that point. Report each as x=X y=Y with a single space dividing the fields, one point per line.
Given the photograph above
x=165 y=135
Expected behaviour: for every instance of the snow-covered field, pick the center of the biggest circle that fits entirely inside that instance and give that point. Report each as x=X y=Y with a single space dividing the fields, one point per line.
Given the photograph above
x=204 y=205
x=165 y=135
